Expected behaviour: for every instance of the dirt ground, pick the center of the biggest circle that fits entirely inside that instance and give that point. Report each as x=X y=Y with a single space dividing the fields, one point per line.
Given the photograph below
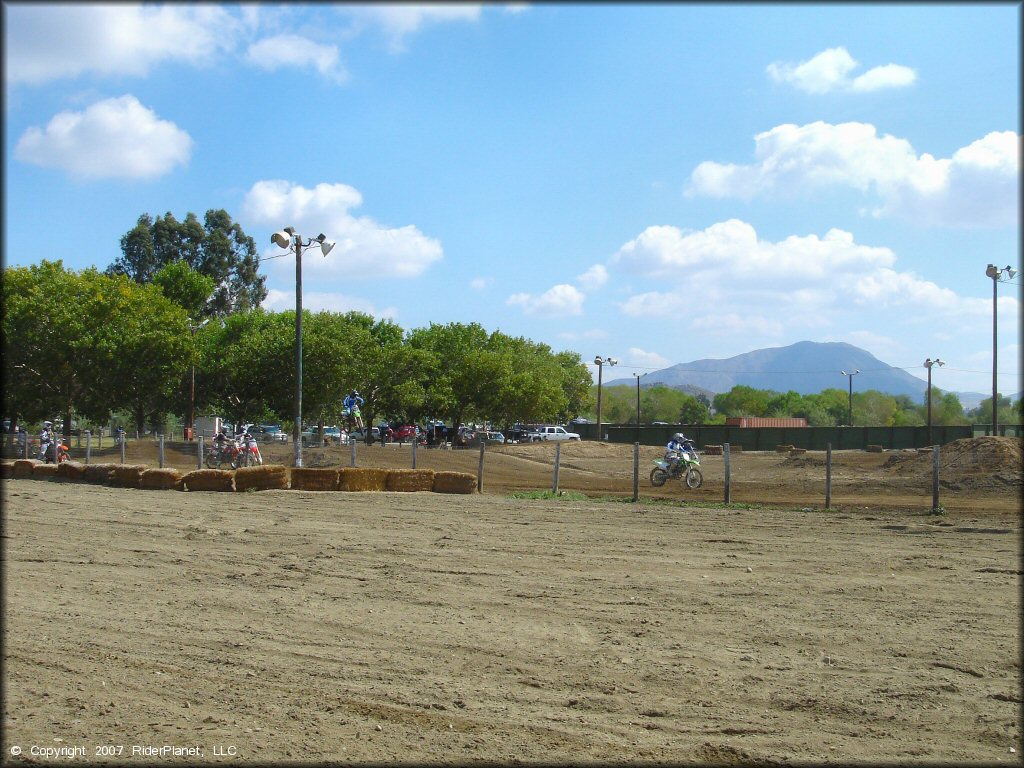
x=295 y=626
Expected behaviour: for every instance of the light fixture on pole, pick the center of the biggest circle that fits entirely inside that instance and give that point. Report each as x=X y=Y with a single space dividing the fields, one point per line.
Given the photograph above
x=601 y=362
x=290 y=239
x=928 y=364
x=849 y=418
x=192 y=390
x=998 y=276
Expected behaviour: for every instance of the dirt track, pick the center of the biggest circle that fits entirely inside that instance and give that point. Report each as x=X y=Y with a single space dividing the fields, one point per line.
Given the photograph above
x=291 y=625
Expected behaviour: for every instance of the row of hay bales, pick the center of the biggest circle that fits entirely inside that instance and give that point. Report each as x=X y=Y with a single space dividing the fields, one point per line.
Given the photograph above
x=262 y=478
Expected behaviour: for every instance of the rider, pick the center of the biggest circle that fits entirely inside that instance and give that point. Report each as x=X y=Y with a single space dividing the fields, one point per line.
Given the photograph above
x=677 y=447
x=45 y=438
x=350 y=406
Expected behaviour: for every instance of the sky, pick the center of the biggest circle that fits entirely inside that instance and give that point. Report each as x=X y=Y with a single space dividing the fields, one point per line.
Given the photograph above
x=655 y=183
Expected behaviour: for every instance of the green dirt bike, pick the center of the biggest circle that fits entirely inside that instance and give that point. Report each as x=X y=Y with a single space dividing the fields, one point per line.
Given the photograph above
x=683 y=465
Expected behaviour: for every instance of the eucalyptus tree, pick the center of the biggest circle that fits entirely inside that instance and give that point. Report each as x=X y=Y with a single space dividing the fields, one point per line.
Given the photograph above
x=217 y=247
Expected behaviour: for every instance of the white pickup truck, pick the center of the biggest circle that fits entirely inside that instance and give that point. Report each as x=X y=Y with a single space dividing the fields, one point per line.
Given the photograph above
x=551 y=433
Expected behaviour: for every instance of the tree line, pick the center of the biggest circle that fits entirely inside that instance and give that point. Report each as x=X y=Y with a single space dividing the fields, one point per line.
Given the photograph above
x=828 y=408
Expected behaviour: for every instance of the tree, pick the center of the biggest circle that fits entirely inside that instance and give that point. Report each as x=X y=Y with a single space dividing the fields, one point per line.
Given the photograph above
x=743 y=400
x=217 y=248
x=186 y=287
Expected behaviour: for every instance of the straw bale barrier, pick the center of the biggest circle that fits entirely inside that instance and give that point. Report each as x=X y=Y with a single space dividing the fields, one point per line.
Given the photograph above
x=314 y=479
x=44 y=471
x=783 y=448
x=23 y=468
x=127 y=475
x=712 y=450
x=71 y=470
x=98 y=473
x=209 y=480
x=265 y=477
x=167 y=479
x=362 y=479
x=410 y=480
x=6 y=470
x=454 y=482
x=797 y=451
x=873 y=448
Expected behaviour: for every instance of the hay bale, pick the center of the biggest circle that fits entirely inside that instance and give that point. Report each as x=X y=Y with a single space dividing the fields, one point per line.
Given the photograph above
x=71 y=470
x=361 y=479
x=314 y=479
x=209 y=480
x=454 y=482
x=797 y=451
x=265 y=477
x=873 y=448
x=23 y=468
x=713 y=450
x=167 y=479
x=98 y=473
x=44 y=471
x=6 y=470
x=410 y=480
x=784 y=448
x=127 y=475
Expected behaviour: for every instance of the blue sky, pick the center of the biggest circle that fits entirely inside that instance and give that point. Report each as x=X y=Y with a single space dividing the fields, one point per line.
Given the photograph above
x=655 y=183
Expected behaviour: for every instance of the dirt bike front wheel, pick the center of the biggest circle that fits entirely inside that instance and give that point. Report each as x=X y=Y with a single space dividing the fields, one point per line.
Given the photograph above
x=658 y=477
x=694 y=478
x=213 y=460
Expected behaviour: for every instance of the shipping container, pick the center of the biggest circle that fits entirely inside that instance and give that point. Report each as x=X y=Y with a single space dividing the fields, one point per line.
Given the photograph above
x=764 y=421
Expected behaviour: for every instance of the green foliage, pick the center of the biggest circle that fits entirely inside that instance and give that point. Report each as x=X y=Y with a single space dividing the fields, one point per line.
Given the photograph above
x=217 y=248
x=185 y=286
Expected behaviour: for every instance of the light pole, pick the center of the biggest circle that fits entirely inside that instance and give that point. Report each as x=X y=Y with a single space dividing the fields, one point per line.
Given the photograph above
x=849 y=418
x=928 y=364
x=289 y=238
x=601 y=362
x=997 y=276
x=192 y=389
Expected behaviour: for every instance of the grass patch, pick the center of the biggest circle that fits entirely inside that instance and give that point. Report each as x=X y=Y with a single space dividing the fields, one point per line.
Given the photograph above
x=561 y=495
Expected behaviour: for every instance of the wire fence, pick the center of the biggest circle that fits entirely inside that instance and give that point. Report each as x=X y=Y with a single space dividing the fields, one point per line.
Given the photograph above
x=818 y=479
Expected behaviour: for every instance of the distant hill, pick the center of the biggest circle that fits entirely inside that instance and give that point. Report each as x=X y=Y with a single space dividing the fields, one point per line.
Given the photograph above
x=806 y=367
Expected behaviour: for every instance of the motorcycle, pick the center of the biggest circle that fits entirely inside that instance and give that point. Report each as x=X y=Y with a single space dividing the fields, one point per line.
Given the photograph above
x=224 y=450
x=684 y=465
x=63 y=452
x=249 y=452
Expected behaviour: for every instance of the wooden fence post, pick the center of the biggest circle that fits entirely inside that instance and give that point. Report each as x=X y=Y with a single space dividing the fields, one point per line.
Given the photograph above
x=414 y=441
x=199 y=452
x=123 y=441
x=88 y=444
x=828 y=475
x=480 y=471
x=353 y=444
x=558 y=458
x=636 y=472
x=161 y=451
x=728 y=489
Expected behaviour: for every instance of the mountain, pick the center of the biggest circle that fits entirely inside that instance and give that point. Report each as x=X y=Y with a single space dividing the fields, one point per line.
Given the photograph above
x=806 y=367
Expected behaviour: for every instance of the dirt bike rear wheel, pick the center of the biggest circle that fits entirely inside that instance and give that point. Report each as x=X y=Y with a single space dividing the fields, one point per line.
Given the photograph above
x=694 y=478
x=214 y=460
x=658 y=477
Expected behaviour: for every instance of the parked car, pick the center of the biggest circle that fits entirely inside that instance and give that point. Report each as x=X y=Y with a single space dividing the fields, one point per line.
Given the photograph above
x=552 y=433
x=405 y=433
x=494 y=438
x=270 y=433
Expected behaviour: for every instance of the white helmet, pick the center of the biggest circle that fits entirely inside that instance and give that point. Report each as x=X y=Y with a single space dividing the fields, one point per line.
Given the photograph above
x=679 y=437
x=47 y=423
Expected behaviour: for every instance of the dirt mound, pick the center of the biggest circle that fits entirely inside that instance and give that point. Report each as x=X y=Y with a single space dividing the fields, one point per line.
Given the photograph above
x=997 y=456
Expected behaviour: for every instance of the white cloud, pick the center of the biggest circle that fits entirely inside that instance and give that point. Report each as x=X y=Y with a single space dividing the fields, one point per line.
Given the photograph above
x=114 y=138
x=559 y=301
x=44 y=42
x=978 y=186
x=272 y=53
x=399 y=20
x=364 y=247
x=830 y=70
x=642 y=359
x=314 y=301
x=593 y=278
x=481 y=283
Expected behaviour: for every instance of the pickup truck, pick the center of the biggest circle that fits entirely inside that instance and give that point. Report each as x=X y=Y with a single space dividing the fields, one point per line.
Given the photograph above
x=551 y=433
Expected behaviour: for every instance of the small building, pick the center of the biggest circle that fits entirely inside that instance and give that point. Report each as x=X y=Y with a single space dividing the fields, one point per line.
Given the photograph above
x=765 y=421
